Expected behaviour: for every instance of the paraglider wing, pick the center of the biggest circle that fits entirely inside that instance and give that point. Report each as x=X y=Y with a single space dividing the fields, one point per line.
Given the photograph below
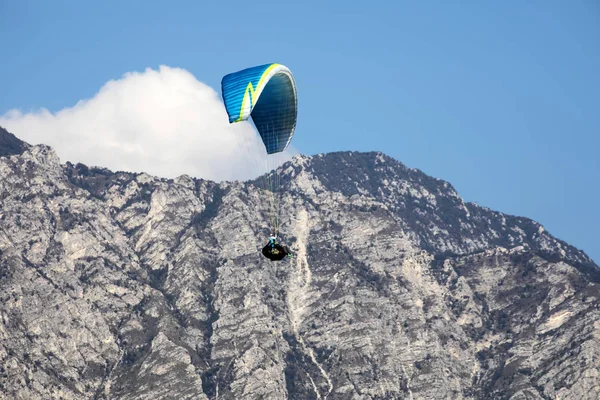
x=268 y=94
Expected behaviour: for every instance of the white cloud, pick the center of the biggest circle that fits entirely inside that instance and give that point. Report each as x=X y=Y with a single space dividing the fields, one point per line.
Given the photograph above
x=163 y=122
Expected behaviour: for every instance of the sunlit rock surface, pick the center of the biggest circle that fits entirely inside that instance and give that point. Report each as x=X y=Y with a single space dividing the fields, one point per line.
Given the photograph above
x=126 y=286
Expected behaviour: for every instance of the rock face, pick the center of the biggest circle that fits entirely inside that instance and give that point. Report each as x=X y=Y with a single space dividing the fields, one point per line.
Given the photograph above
x=125 y=286
x=10 y=144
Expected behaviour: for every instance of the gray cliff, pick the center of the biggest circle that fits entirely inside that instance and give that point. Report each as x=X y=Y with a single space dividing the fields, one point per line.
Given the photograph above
x=117 y=285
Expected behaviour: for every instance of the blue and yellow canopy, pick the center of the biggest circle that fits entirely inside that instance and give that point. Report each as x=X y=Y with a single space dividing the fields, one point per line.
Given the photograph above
x=268 y=94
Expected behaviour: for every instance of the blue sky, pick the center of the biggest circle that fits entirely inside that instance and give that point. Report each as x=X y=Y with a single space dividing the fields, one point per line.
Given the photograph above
x=502 y=100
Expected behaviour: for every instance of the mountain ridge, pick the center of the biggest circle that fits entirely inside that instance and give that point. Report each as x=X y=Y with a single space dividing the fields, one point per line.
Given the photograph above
x=11 y=145
x=123 y=285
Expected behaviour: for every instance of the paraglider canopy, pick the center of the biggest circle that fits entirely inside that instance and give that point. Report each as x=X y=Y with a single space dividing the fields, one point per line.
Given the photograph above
x=268 y=94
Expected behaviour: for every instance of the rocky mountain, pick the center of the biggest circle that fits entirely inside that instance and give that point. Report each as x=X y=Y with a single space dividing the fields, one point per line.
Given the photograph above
x=118 y=285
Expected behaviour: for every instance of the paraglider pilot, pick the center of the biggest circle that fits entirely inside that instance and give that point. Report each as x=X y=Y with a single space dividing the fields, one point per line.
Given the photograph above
x=276 y=252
